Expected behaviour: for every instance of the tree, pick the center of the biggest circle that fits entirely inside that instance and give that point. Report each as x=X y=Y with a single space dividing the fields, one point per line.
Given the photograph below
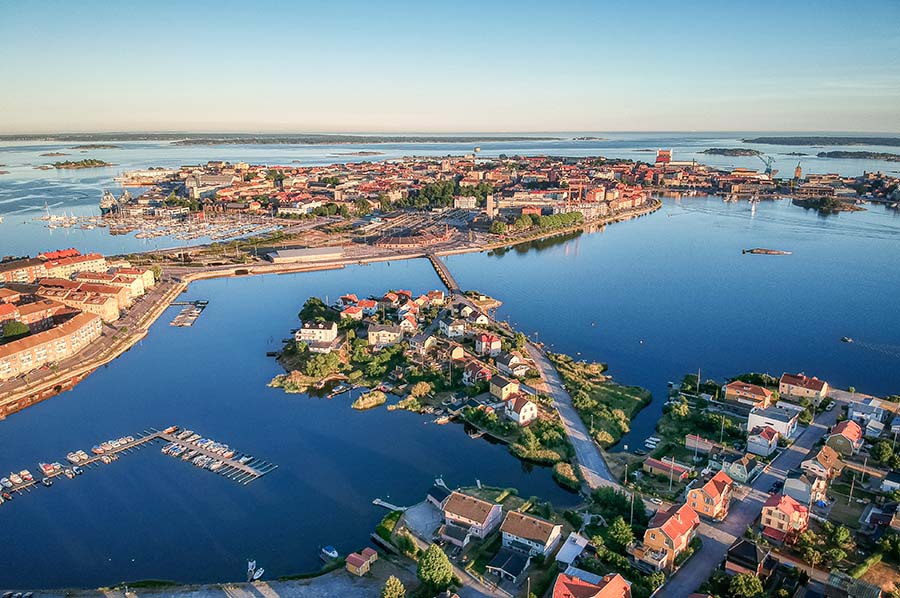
x=655 y=580
x=14 y=328
x=620 y=534
x=882 y=451
x=519 y=341
x=393 y=588
x=420 y=389
x=745 y=586
x=157 y=272
x=680 y=409
x=435 y=570
x=835 y=555
x=498 y=227
x=812 y=556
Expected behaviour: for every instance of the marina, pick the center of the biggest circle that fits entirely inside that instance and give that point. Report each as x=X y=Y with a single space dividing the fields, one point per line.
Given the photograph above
x=191 y=310
x=187 y=445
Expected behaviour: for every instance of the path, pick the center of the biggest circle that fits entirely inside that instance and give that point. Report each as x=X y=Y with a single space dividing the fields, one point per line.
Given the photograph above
x=593 y=467
x=717 y=538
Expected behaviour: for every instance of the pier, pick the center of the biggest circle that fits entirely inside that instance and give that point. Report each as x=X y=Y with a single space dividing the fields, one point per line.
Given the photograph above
x=242 y=469
x=189 y=314
x=444 y=273
x=380 y=503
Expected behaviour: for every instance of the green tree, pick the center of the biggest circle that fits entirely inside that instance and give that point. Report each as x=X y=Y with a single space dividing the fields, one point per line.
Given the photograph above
x=655 y=580
x=519 y=341
x=498 y=227
x=157 y=272
x=393 y=588
x=420 y=389
x=435 y=570
x=362 y=208
x=882 y=451
x=835 y=555
x=620 y=534
x=14 y=328
x=812 y=556
x=745 y=585
x=680 y=410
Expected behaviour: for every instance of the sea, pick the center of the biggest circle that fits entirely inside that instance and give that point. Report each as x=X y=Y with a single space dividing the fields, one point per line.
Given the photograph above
x=655 y=298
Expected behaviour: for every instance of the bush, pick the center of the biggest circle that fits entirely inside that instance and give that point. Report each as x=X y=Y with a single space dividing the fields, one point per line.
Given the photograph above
x=566 y=476
x=860 y=569
x=370 y=400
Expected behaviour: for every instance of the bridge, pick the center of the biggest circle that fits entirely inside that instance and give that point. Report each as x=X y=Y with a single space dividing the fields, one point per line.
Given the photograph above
x=443 y=273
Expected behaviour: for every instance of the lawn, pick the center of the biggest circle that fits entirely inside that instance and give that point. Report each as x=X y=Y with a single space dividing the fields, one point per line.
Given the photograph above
x=846 y=514
x=884 y=575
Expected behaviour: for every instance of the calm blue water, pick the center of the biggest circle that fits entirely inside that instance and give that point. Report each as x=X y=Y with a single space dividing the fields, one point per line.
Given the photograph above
x=25 y=190
x=675 y=280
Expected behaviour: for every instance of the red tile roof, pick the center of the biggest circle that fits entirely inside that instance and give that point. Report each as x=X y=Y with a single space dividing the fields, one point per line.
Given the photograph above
x=718 y=484
x=611 y=586
x=759 y=391
x=767 y=432
x=850 y=429
x=785 y=504
x=803 y=381
x=676 y=522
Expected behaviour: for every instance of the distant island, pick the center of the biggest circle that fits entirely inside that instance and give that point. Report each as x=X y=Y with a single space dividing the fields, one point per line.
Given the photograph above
x=861 y=155
x=96 y=146
x=363 y=153
x=74 y=165
x=339 y=139
x=731 y=151
x=795 y=154
x=588 y=139
x=892 y=141
x=827 y=205
x=53 y=154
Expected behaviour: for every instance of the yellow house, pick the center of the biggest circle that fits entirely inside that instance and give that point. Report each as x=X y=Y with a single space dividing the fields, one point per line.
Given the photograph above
x=712 y=498
x=502 y=387
x=668 y=535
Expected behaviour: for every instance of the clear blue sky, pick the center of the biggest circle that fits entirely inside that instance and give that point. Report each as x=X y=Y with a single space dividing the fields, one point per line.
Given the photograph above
x=449 y=66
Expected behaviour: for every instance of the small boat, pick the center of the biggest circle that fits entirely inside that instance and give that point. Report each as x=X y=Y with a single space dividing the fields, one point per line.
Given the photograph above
x=46 y=468
x=47 y=482
x=26 y=475
x=846 y=339
x=15 y=478
x=170 y=430
x=258 y=574
x=639 y=452
x=6 y=496
x=329 y=552
x=72 y=458
x=77 y=470
x=5 y=483
x=97 y=450
x=69 y=473
x=444 y=419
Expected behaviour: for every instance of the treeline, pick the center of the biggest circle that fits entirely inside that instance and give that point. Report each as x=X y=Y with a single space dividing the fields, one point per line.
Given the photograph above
x=440 y=194
x=532 y=221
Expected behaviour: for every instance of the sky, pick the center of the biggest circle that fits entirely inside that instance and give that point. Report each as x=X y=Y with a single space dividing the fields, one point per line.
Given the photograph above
x=444 y=67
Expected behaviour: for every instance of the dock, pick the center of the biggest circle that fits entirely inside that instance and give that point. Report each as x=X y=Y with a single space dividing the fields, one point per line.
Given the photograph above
x=444 y=273
x=189 y=313
x=380 y=503
x=240 y=468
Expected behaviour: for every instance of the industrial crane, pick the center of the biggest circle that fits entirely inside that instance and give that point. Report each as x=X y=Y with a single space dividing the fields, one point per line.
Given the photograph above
x=769 y=161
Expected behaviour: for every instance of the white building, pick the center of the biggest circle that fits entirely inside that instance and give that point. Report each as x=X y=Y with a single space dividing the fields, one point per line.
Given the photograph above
x=782 y=421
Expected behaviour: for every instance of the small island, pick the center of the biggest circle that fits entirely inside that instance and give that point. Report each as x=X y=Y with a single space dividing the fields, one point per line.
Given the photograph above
x=75 y=165
x=88 y=146
x=588 y=138
x=731 y=151
x=861 y=155
x=53 y=154
x=360 y=153
x=794 y=154
x=827 y=205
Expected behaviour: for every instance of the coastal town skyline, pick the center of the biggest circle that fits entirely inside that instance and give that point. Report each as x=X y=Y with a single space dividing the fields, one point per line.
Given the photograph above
x=393 y=68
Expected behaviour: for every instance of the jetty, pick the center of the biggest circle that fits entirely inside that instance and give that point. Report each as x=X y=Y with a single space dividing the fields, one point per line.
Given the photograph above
x=391 y=507
x=443 y=273
x=189 y=314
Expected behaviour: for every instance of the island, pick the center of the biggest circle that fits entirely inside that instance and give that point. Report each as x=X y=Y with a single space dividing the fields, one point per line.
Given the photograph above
x=588 y=138
x=362 y=153
x=88 y=146
x=827 y=205
x=861 y=155
x=731 y=151
x=446 y=356
x=53 y=154
x=794 y=154
x=75 y=165
x=832 y=140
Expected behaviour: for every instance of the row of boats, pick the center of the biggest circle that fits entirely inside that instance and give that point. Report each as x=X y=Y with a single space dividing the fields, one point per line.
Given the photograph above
x=202 y=458
x=106 y=447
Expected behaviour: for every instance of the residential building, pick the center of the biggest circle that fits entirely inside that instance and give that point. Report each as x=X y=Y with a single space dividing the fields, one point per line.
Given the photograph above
x=148 y=278
x=865 y=413
x=804 y=488
x=511 y=364
x=23 y=271
x=741 y=468
x=369 y=306
x=668 y=534
x=750 y=395
x=781 y=420
x=438 y=496
x=316 y=332
x=35 y=350
x=700 y=444
x=528 y=534
x=359 y=563
x=422 y=343
x=822 y=462
x=783 y=518
x=520 y=409
x=354 y=312
x=745 y=557
x=846 y=438
x=762 y=441
x=475 y=372
x=612 y=585
x=133 y=284
x=487 y=344
x=572 y=548
x=800 y=386
x=510 y=565
x=712 y=498
x=381 y=335
x=452 y=328
x=667 y=469
x=67 y=266
x=502 y=387
x=105 y=306
x=473 y=516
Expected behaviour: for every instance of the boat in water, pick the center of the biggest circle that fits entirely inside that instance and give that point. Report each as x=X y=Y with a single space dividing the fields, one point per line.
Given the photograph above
x=47 y=482
x=329 y=552
x=258 y=574
x=846 y=339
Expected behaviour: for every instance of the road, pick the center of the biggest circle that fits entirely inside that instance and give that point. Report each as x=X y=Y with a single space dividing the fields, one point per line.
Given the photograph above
x=718 y=537
x=593 y=467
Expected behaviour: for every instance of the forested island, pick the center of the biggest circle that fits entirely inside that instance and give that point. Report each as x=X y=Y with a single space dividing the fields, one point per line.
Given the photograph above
x=731 y=151
x=86 y=163
x=892 y=141
x=861 y=155
x=827 y=205
x=88 y=146
x=53 y=154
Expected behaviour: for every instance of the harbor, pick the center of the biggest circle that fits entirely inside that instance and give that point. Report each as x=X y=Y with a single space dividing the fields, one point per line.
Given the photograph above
x=187 y=445
x=189 y=313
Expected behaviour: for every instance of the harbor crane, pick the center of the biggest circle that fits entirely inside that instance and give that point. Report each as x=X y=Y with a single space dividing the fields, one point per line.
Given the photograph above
x=769 y=161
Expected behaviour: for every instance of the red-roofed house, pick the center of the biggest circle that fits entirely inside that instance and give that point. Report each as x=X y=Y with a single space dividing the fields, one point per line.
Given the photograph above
x=354 y=312
x=762 y=441
x=359 y=563
x=712 y=498
x=846 y=438
x=475 y=372
x=801 y=386
x=783 y=518
x=747 y=394
x=668 y=535
x=520 y=409
x=487 y=344
x=666 y=468
x=612 y=585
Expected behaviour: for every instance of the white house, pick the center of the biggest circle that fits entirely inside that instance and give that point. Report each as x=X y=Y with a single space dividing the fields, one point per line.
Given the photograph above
x=762 y=441
x=511 y=364
x=476 y=517
x=320 y=337
x=487 y=344
x=521 y=410
x=452 y=328
x=528 y=534
x=782 y=421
